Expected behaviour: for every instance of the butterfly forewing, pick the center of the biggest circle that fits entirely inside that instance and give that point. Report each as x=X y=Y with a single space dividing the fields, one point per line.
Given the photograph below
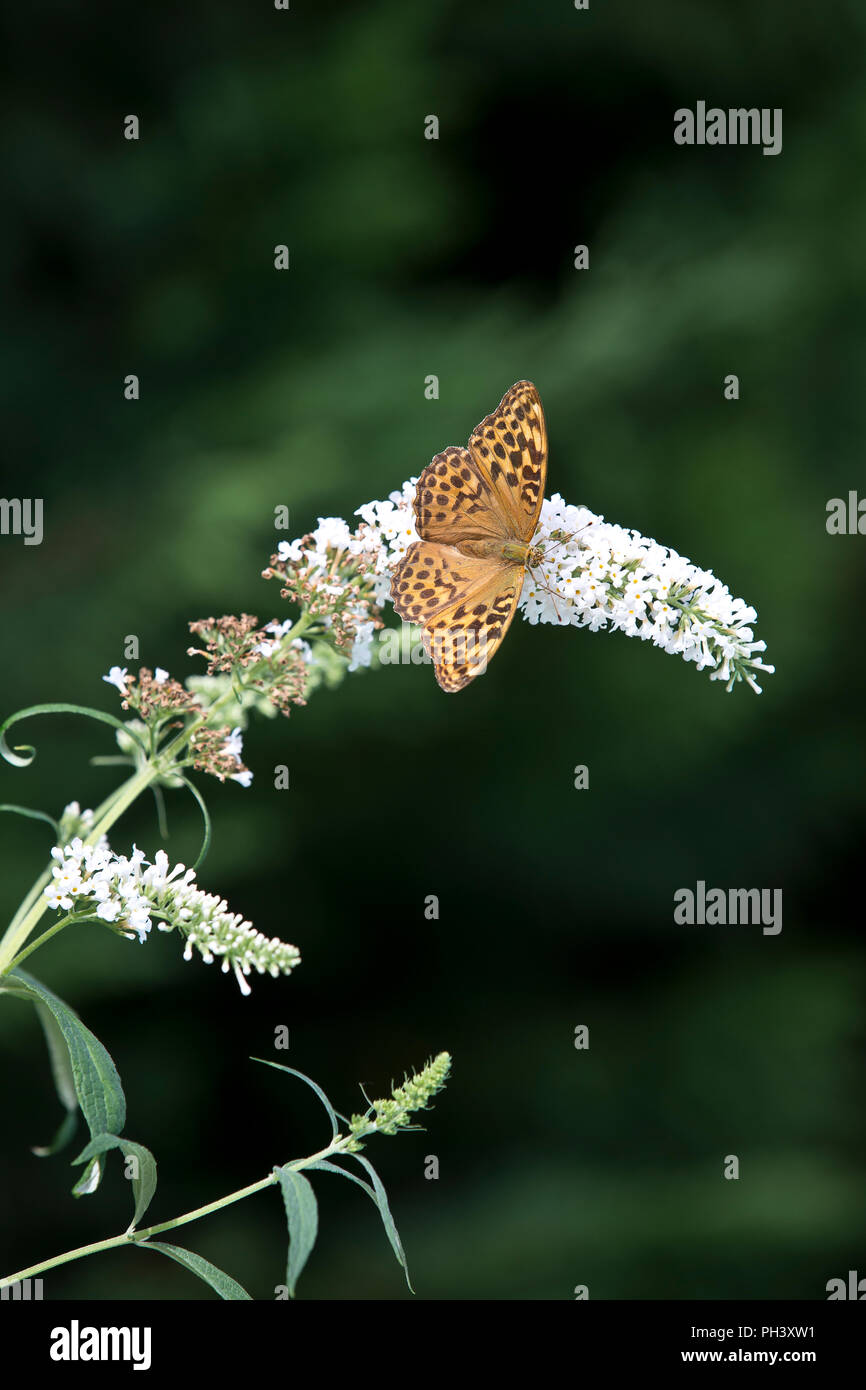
x=455 y=500
x=510 y=448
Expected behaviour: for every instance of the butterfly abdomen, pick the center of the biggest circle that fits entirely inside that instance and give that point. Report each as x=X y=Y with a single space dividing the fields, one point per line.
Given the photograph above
x=513 y=552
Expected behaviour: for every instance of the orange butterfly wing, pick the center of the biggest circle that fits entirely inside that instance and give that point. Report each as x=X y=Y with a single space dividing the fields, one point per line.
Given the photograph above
x=464 y=606
x=490 y=492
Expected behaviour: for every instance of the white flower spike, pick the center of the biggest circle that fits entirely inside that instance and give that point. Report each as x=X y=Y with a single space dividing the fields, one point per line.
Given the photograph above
x=586 y=572
x=133 y=895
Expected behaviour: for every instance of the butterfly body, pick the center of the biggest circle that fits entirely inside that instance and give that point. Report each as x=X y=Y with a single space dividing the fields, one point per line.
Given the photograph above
x=512 y=552
x=476 y=511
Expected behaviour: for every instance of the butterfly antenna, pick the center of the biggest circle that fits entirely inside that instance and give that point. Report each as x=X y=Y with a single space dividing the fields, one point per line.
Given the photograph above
x=564 y=540
x=545 y=589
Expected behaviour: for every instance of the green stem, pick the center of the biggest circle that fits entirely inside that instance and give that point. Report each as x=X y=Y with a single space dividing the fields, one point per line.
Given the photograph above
x=171 y=749
x=45 y=877
x=112 y=808
x=27 y=902
x=52 y=931
x=337 y=1146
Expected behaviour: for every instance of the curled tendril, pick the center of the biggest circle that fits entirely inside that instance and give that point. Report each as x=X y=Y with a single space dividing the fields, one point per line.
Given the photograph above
x=31 y=815
x=205 y=817
x=22 y=754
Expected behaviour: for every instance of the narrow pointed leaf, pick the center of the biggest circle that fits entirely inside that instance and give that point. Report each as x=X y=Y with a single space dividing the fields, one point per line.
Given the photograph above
x=318 y=1090
x=94 y=1075
x=90 y=1178
x=223 y=1283
x=385 y=1213
x=302 y=1215
x=65 y=1133
x=326 y=1167
x=64 y=1082
x=31 y=815
x=143 y=1184
x=58 y=1053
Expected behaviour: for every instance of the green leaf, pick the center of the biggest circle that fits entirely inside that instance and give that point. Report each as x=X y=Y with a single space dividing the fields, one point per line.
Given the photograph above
x=90 y=1179
x=302 y=1214
x=326 y=1167
x=64 y=1081
x=143 y=1185
x=58 y=1053
x=225 y=1286
x=24 y=753
x=94 y=1076
x=64 y=1134
x=205 y=817
x=385 y=1212
x=32 y=815
x=335 y=1128
x=161 y=818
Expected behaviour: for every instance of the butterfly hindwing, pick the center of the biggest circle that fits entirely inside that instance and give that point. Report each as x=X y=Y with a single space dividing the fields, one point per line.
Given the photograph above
x=463 y=639
x=464 y=606
x=432 y=577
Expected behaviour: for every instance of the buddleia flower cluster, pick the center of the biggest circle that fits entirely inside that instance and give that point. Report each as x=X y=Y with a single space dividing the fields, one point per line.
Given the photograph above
x=274 y=669
x=332 y=577
x=586 y=572
x=582 y=571
x=591 y=573
x=132 y=895
x=155 y=697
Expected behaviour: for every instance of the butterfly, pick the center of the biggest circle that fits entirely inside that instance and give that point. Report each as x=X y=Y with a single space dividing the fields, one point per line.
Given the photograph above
x=476 y=510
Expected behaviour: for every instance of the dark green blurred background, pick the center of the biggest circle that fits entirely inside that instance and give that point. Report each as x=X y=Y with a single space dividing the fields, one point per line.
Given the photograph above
x=411 y=257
